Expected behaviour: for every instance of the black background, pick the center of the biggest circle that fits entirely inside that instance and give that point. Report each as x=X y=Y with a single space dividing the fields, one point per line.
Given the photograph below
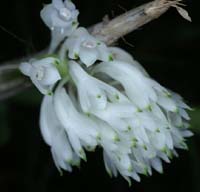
x=169 y=48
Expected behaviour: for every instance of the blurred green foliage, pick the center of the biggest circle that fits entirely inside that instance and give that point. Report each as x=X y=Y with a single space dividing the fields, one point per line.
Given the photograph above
x=195 y=120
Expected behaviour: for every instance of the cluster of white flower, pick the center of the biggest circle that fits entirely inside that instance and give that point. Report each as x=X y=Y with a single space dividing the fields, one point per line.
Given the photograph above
x=103 y=97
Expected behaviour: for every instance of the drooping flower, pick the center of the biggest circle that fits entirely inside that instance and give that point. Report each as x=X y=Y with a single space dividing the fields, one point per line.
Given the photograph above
x=61 y=18
x=133 y=81
x=43 y=73
x=115 y=104
x=82 y=131
x=55 y=136
x=81 y=45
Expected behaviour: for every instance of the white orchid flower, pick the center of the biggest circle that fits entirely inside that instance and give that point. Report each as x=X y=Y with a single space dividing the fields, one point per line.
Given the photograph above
x=134 y=82
x=60 y=15
x=84 y=46
x=61 y=18
x=42 y=73
x=82 y=131
x=93 y=93
x=55 y=135
x=90 y=94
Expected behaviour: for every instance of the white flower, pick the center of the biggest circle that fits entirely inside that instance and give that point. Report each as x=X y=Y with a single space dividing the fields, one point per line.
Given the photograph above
x=90 y=94
x=84 y=46
x=93 y=93
x=42 y=73
x=163 y=95
x=61 y=18
x=81 y=130
x=59 y=15
x=55 y=136
x=133 y=81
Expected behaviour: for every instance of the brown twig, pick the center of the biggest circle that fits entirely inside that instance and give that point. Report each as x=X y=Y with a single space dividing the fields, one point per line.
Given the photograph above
x=10 y=86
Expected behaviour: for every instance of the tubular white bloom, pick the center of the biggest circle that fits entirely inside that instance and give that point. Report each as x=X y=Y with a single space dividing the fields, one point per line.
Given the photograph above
x=55 y=136
x=134 y=82
x=42 y=73
x=61 y=18
x=82 y=131
x=84 y=46
x=93 y=93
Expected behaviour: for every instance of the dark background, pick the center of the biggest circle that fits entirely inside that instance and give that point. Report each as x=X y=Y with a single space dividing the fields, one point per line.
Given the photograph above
x=169 y=48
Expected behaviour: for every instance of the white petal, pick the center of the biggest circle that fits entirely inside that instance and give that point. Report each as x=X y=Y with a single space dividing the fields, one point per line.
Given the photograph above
x=61 y=146
x=90 y=95
x=135 y=176
x=45 y=122
x=187 y=133
x=179 y=101
x=164 y=157
x=140 y=134
x=58 y=4
x=75 y=142
x=167 y=103
x=113 y=94
x=132 y=80
x=88 y=56
x=73 y=48
x=60 y=163
x=69 y=4
x=121 y=55
x=111 y=119
x=54 y=135
x=157 y=165
x=147 y=120
x=104 y=53
x=184 y=114
x=43 y=89
x=46 y=15
x=51 y=76
x=25 y=68
x=71 y=121
x=109 y=165
x=46 y=62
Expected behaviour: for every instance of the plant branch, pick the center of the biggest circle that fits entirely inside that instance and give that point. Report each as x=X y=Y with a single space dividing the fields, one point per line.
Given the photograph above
x=111 y=31
x=107 y=31
x=10 y=81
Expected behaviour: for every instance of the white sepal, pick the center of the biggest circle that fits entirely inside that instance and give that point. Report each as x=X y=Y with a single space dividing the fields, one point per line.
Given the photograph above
x=81 y=45
x=43 y=73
